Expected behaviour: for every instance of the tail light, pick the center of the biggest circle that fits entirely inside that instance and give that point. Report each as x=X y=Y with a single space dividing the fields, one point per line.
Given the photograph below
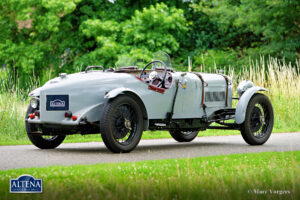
x=68 y=114
x=31 y=116
x=37 y=113
x=74 y=118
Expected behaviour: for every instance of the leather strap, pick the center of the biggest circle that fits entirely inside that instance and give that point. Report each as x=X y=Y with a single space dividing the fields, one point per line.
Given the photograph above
x=227 y=86
x=204 y=84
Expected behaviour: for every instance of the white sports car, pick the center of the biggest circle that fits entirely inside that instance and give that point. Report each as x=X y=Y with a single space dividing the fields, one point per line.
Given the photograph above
x=121 y=104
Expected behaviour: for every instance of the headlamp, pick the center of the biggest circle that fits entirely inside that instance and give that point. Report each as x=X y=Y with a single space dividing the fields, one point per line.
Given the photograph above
x=243 y=86
x=34 y=103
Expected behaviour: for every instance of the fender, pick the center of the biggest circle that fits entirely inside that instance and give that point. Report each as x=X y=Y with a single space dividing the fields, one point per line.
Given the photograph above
x=35 y=92
x=242 y=104
x=91 y=114
x=115 y=92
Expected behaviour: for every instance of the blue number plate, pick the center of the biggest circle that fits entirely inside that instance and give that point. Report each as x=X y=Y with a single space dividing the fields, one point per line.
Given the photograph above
x=57 y=102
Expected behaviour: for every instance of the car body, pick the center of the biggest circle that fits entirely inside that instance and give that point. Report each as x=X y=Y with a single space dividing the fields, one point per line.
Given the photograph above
x=161 y=98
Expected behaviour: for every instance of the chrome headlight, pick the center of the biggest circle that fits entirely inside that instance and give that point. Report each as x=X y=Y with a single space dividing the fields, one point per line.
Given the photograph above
x=34 y=103
x=243 y=86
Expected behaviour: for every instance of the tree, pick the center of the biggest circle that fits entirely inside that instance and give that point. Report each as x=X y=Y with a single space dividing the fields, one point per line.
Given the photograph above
x=276 y=22
x=155 y=28
x=30 y=33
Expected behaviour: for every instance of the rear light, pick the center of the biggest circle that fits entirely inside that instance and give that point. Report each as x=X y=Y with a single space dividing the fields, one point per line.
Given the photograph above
x=74 y=118
x=68 y=114
x=31 y=116
x=37 y=113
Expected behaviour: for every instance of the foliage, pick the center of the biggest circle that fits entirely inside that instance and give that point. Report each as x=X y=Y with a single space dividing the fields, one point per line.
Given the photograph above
x=213 y=177
x=38 y=36
x=275 y=24
x=30 y=33
x=155 y=29
x=149 y=30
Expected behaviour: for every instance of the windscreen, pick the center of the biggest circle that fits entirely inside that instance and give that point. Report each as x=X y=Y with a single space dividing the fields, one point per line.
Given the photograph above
x=140 y=62
x=164 y=57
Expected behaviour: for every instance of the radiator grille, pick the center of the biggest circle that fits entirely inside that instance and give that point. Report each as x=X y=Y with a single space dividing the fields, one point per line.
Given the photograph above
x=214 y=96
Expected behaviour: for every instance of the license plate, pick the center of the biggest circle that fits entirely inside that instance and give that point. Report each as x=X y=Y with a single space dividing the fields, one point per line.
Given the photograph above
x=57 y=102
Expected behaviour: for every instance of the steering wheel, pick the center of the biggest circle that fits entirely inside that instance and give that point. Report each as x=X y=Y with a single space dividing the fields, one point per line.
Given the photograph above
x=164 y=75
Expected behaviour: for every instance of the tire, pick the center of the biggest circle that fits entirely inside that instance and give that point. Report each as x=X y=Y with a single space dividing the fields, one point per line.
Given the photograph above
x=41 y=141
x=183 y=136
x=121 y=124
x=259 y=120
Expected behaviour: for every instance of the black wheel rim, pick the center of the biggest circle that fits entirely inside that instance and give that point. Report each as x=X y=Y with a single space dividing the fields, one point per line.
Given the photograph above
x=124 y=124
x=259 y=120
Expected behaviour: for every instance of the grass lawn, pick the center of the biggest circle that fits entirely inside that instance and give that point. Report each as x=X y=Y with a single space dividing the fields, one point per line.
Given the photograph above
x=275 y=175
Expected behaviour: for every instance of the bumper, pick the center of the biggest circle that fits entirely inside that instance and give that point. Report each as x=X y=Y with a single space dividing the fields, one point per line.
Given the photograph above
x=68 y=122
x=64 y=128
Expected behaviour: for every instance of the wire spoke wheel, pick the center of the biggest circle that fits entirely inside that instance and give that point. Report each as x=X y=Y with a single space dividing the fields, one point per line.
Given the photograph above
x=121 y=124
x=259 y=120
x=125 y=124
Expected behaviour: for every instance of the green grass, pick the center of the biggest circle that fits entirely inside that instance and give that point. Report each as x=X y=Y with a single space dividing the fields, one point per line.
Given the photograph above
x=215 y=177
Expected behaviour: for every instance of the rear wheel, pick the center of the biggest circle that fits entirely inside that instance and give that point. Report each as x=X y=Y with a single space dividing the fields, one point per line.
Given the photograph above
x=121 y=124
x=259 y=120
x=41 y=141
x=183 y=136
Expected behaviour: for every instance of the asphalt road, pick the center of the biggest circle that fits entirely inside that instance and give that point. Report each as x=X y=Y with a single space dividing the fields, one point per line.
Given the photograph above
x=23 y=156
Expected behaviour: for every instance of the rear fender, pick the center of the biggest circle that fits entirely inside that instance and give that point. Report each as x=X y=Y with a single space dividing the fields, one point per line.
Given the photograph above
x=115 y=92
x=242 y=105
x=35 y=93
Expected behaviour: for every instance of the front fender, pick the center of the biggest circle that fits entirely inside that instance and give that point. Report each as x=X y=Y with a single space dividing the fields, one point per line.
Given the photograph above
x=242 y=105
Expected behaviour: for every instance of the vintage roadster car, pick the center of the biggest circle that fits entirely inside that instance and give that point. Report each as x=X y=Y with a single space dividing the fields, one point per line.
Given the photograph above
x=121 y=104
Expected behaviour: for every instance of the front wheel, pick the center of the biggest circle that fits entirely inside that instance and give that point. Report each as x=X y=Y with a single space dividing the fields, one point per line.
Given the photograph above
x=121 y=124
x=259 y=120
x=41 y=141
x=183 y=136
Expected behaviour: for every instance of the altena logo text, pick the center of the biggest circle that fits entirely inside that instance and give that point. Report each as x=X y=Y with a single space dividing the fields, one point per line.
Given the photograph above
x=57 y=103
x=26 y=184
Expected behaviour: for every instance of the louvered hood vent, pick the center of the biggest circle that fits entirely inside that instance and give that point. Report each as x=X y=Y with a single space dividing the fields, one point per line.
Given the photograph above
x=214 y=96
